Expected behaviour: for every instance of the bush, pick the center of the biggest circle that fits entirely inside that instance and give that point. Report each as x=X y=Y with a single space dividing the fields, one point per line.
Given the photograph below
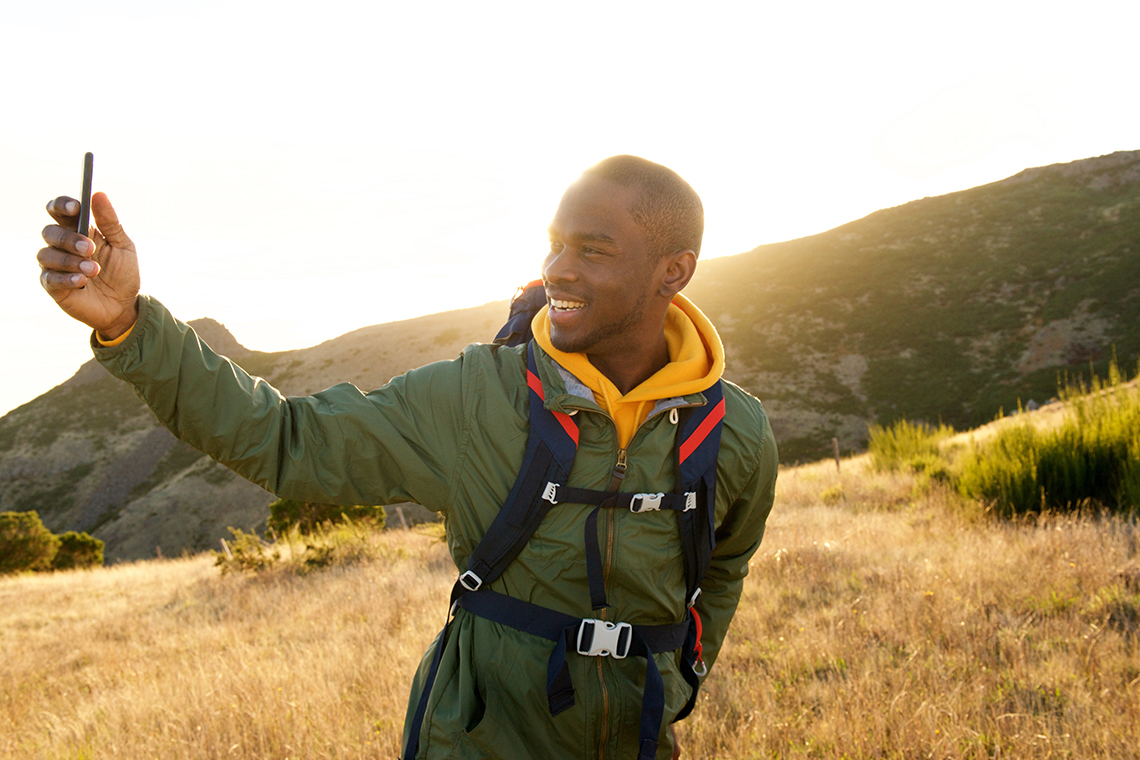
x=1093 y=457
x=77 y=550
x=25 y=544
x=245 y=552
x=905 y=444
x=307 y=517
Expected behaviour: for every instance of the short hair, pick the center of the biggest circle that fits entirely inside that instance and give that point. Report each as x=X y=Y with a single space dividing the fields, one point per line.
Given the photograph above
x=669 y=209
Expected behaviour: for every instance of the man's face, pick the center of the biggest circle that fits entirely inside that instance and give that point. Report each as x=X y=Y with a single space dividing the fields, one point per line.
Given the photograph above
x=600 y=272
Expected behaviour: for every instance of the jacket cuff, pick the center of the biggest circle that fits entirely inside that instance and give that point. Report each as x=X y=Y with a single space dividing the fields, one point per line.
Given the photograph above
x=129 y=338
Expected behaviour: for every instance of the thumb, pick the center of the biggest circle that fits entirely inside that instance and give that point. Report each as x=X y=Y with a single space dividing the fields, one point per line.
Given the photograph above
x=108 y=221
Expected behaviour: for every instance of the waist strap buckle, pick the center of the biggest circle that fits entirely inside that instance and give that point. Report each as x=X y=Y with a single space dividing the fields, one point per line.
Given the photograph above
x=601 y=638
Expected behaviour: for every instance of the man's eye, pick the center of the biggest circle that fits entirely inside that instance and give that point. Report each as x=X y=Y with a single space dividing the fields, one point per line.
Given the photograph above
x=555 y=246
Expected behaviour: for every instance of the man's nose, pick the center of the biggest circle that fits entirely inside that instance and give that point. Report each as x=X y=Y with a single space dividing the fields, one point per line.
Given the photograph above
x=559 y=267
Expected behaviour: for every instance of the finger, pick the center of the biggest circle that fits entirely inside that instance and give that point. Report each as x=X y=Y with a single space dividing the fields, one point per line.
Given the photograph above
x=108 y=221
x=60 y=261
x=60 y=282
x=67 y=240
x=65 y=211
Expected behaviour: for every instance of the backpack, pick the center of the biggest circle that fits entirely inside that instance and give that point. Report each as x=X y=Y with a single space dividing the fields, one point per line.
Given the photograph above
x=540 y=486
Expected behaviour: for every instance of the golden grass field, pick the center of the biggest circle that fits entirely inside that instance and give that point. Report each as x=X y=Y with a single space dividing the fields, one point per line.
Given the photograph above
x=879 y=620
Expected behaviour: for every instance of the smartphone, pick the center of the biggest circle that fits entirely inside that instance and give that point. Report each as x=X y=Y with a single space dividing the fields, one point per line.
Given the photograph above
x=85 y=202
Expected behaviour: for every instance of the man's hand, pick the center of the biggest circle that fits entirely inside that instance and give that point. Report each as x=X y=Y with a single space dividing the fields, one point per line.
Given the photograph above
x=94 y=280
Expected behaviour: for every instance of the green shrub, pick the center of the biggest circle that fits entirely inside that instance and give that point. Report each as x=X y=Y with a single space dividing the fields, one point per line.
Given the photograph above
x=245 y=552
x=833 y=495
x=286 y=514
x=905 y=444
x=77 y=550
x=1093 y=457
x=25 y=544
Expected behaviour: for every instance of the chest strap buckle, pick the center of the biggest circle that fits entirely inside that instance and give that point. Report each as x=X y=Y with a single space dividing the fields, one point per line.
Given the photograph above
x=601 y=638
x=645 y=502
x=550 y=493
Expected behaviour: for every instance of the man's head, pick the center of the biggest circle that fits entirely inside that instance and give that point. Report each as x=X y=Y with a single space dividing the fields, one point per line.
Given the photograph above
x=668 y=209
x=622 y=245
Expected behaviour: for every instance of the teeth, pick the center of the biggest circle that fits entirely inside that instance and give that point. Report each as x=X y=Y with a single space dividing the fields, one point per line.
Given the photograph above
x=566 y=305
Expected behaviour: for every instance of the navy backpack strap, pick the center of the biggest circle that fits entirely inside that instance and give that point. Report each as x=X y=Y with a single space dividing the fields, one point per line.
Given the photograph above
x=698 y=445
x=551 y=447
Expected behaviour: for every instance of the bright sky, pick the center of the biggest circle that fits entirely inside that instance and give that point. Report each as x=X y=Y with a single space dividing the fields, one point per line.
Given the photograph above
x=297 y=171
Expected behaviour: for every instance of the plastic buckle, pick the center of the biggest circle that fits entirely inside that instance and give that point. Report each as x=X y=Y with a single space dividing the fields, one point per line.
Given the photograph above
x=696 y=595
x=471 y=584
x=601 y=638
x=690 y=500
x=550 y=492
x=650 y=502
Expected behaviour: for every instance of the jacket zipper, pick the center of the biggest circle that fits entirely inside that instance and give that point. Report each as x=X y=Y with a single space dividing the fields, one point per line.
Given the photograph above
x=616 y=479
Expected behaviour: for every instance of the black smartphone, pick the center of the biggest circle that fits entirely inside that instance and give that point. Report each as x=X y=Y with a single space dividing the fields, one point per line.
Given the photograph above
x=85 y=202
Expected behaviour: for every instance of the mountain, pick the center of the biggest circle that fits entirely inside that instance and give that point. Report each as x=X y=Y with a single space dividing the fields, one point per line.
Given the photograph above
x=949 y=308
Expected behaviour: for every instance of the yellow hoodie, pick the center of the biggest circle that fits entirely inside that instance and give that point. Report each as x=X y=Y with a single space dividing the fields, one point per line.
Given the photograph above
x=696 y=361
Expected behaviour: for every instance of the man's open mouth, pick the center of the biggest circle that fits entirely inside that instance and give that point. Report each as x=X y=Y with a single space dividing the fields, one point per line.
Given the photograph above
x=559 y=305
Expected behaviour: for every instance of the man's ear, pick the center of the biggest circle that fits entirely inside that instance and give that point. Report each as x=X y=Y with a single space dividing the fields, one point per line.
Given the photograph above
x=679 y=269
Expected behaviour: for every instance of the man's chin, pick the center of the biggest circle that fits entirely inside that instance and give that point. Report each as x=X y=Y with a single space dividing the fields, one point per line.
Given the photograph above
x=567 y=342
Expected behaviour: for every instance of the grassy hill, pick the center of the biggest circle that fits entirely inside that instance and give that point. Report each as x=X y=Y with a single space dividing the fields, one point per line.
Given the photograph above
x=946 y=308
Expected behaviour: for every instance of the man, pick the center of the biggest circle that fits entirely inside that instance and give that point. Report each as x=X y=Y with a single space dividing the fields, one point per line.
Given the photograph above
x=617 y=351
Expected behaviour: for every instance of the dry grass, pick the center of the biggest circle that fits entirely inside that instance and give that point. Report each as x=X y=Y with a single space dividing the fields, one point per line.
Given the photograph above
x=892 y=625
x=891 y=621
x=168 y=660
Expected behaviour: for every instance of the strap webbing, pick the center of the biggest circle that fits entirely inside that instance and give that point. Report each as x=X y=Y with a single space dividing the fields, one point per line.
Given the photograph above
x=562 y=629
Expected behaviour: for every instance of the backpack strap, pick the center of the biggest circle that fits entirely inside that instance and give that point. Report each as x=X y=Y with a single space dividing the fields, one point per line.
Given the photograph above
x=698 y=445
x=550 y=450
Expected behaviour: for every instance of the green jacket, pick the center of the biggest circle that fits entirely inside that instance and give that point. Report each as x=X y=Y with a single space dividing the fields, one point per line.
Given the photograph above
x=451 y=436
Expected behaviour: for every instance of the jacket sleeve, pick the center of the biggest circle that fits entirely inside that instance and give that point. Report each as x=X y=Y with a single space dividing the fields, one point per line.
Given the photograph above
x=737 y=538
x=401 y=442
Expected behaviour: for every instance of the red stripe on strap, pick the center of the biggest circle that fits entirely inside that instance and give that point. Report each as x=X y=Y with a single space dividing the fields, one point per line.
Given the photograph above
x=702 y=431
x=563 y=418
x=699 y=649
x=568 y=425
x=535 y=384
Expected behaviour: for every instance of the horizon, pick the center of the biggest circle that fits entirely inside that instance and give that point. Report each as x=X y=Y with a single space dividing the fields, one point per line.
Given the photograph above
x=243 y=153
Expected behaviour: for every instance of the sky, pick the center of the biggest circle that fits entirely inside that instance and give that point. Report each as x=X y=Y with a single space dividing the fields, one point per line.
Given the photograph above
x=297 y=171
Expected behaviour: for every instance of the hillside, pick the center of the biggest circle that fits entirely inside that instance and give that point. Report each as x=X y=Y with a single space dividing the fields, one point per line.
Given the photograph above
x=950 y=308
x=945 y=308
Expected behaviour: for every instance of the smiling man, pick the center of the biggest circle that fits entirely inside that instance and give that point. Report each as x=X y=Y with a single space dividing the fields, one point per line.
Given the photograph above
x=603 y=488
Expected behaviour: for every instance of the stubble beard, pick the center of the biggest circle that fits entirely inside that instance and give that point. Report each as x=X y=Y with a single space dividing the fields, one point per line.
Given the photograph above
x=590 y=342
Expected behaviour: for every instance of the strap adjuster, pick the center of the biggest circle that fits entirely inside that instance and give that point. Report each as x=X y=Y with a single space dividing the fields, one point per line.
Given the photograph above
x=550 y=492
x=601 y=638
x=649 y=502
x=470 y=581
x=696 y=595
x=690 y=500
